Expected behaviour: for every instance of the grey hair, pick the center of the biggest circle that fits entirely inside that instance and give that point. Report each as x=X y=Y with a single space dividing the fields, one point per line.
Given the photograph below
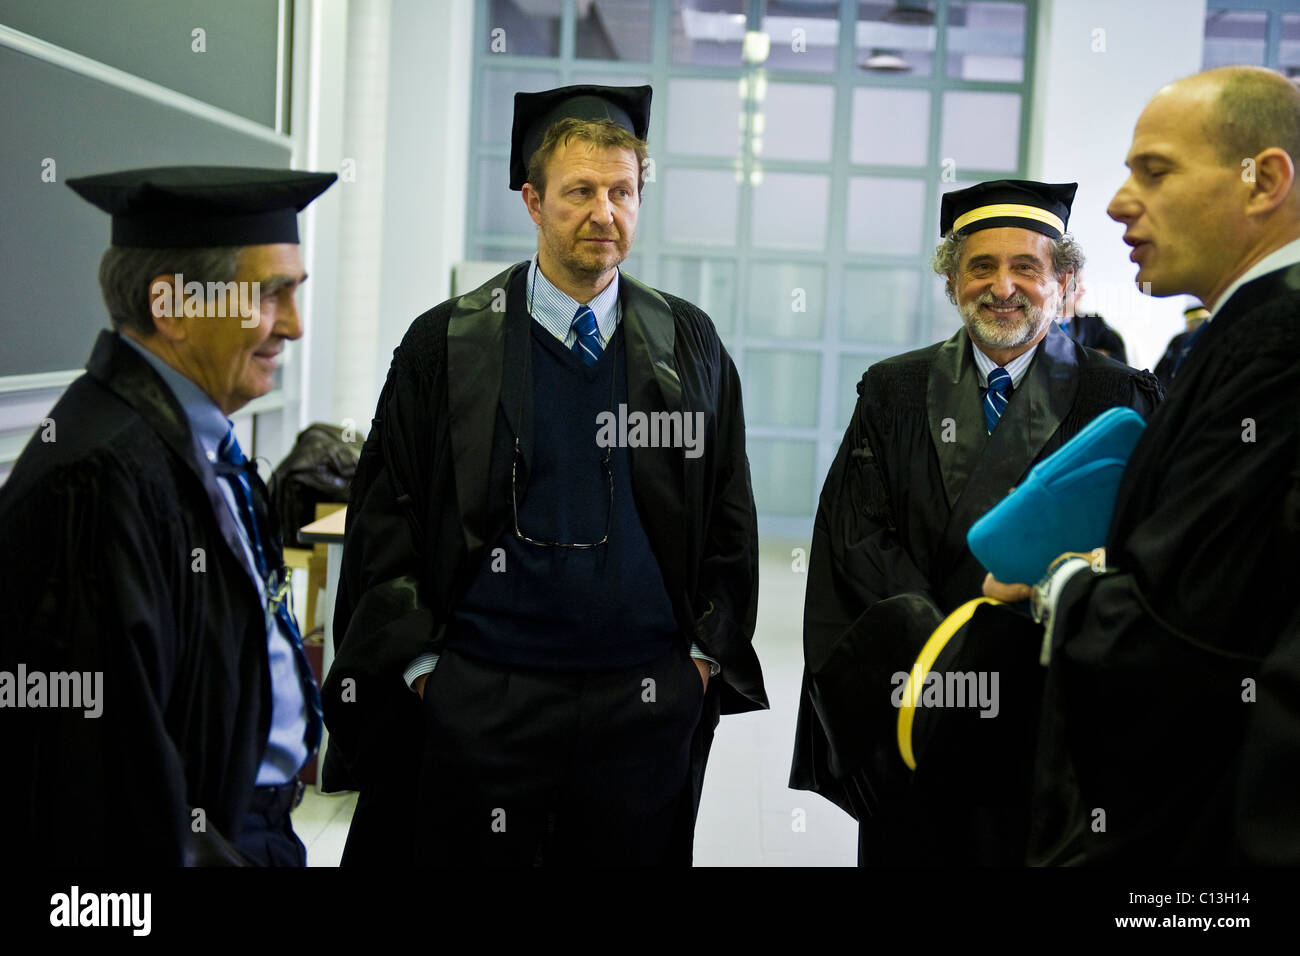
x=1067 y=256
x=125 y=274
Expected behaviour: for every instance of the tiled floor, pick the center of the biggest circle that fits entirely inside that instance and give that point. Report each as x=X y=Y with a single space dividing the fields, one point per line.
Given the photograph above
x=748 y=816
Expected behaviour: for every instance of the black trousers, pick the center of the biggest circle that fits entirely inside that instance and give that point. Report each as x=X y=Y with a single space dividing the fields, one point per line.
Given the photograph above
x=267 y=835
x=526 y=767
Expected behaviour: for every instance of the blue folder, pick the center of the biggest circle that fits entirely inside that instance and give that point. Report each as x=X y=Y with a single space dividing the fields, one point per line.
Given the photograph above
x=1065 y=503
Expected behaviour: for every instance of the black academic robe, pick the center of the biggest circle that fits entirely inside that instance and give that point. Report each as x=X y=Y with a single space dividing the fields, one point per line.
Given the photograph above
x=1164 y=369
x=122 y=558
x=432 y=495
x=1170 y=726
x=1092 y=330
x=915 y=470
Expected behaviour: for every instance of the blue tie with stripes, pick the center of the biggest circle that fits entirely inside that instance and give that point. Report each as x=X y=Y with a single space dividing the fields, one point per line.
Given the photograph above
x=587 y=346
x=995 y=399
x=250 y=493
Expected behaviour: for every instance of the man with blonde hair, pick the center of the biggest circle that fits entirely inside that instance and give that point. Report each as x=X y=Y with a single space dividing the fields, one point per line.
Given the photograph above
x=550 y=579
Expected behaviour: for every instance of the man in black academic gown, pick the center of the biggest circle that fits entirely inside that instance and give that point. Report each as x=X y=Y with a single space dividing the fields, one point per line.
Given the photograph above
x=938 y=437
x=140 y=553
x=1171 y=719
x=1088 y=328
x=546 y=602
x=1175 y=351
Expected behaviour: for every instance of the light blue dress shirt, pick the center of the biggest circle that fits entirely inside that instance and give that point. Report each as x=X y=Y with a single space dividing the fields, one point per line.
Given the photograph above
x=286 y=745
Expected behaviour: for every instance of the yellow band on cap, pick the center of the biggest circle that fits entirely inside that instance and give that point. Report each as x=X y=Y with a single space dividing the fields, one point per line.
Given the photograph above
x=1008 y=209
x=953 y=623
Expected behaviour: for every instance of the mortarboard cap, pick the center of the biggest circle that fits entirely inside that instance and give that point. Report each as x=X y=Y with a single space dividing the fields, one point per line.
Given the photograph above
x=1042 y=207
x=535 y=113
x=198 y=206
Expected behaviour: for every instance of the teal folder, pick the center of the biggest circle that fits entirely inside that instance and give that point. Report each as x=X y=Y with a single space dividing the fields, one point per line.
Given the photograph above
x=1065 y=503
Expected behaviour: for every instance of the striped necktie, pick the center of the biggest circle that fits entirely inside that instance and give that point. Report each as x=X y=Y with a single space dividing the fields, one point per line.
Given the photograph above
x=995 y=399
x=254 y=513
x=587 y=346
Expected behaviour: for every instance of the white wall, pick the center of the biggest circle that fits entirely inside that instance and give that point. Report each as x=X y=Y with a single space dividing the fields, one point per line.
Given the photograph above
x=1097 y=63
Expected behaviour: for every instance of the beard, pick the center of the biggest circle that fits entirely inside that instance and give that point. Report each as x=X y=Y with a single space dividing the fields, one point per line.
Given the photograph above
x=992 y=333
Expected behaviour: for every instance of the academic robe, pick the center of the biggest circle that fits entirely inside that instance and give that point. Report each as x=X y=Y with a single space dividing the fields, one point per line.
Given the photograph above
x=915 y=470
x=122 y=558
x=432 y=495
x=1171 y=732
x=1092 y=330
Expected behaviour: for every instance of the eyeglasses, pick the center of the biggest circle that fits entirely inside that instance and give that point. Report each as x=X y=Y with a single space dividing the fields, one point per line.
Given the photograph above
x=607 y=463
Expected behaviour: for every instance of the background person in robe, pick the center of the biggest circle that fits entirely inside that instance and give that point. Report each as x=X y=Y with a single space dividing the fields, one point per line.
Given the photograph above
x=1088 y=328
x=130 y=548
x=927 y=453
x=533 y=626
x=1193 y=315
x=1171 y=728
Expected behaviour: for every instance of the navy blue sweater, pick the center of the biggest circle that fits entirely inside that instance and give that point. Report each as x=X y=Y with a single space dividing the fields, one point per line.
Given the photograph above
x=570 y=608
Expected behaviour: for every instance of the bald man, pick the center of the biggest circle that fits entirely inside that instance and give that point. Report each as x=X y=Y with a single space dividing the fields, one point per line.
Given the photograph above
x=1171 y=724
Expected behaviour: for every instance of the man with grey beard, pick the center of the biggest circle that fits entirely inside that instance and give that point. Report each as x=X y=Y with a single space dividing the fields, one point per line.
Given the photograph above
x=938 y=437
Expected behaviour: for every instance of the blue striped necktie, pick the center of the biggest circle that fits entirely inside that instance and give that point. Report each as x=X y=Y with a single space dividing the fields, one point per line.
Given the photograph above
x=250 y=493
x=995 y=399
x=587 y=346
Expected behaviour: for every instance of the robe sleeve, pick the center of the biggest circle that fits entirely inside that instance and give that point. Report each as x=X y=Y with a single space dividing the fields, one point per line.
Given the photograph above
x=92 y=589
x=382 y=621
x=727 y=590
x=1193 y=606
x=857 y=561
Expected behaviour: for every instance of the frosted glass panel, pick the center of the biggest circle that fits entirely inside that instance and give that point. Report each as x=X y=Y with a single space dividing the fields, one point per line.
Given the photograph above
x=782 y=388
x=708 y=283
x=699 y=206
x=880 y=305
x=981 y=130
x=797 y=120
x=790 y=211
x=709 y=33
x=1234 y=37
x=851 y=369
x=531 y=29
x=499 y=89
x=1288 y=52
x=786 y=301
x=704 y=117
x=804 y=36
x=782 y=473
x=501 y=209
x=613 y=30
x=894 y=38
x=885 y=215
x=890 y=127
x=986 y=41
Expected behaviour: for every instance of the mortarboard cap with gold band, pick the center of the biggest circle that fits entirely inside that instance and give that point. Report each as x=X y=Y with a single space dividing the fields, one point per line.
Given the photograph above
x=202 y=206
x=535 y=113
x=1042 y=207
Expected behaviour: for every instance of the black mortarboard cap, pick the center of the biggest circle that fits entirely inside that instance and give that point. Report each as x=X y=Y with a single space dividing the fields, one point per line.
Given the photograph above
x=197 y=206
x=1042 y=207
x=535 y=113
